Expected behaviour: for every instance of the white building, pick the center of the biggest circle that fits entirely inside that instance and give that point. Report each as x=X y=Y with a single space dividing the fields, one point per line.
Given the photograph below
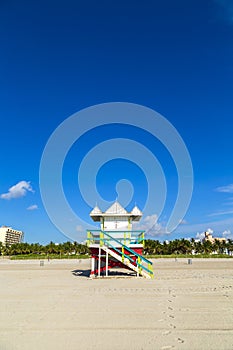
x=9 y=236
x=210 y=238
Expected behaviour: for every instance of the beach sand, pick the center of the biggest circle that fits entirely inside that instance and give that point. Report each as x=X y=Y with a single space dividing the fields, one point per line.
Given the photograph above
x=55 y=306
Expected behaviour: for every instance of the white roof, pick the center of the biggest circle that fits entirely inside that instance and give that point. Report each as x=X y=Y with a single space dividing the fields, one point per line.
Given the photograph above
x=96 y=210
x=136 y=211
x=116 y=209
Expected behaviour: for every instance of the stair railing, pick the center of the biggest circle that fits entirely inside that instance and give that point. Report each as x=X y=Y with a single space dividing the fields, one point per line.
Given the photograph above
x=140 y=258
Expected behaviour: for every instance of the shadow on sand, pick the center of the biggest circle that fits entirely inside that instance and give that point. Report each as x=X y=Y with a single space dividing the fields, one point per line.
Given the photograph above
x=81 y=273
x=111 y=273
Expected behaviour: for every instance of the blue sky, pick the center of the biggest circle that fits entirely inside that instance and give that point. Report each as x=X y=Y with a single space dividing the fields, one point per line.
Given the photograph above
x=173 y=57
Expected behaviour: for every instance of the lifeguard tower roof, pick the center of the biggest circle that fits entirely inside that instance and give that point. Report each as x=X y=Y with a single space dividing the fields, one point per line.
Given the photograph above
x=115 y=210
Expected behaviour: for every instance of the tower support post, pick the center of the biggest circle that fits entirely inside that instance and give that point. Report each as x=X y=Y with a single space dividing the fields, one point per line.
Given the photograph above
x=92 y=266
x=99 y=262
x=107 y=264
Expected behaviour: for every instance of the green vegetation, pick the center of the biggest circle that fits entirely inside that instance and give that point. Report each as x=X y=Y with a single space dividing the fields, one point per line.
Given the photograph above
x=50 y=251
x=52 y=256
x=178 y=248
x=178 y=256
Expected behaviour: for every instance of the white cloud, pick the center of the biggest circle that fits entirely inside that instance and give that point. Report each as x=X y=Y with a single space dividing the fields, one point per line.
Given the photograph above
x=229 y=201
x=150 y=226
x=210 y=231
x=146 y=222
x=79 y=228
x=18 y=190
x=151 y=219
x=217 y=226
x=225 y=189
x=226 y=212
x=227 y=234
x=200 y=235
x=32 y=207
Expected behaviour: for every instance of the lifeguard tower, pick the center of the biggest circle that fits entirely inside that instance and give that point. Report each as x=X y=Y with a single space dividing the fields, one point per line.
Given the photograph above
x=115 y=244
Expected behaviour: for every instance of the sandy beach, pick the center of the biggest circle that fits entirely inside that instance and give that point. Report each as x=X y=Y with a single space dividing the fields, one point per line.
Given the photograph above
x=56 y=306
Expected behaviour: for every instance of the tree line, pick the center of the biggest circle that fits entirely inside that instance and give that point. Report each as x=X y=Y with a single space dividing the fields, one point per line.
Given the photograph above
x=51 y=249
x=185 y=246
x=151 y=247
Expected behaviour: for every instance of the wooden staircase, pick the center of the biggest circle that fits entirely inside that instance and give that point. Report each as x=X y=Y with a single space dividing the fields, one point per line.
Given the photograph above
x=124 y=254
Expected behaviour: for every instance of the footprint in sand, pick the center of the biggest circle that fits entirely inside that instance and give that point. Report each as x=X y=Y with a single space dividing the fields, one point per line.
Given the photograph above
x=166 y=333
x=184 y=309
x=172 y=325
x=180 y=340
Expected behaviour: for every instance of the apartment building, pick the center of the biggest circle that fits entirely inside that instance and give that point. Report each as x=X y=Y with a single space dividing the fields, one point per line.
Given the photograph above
x=9 y=236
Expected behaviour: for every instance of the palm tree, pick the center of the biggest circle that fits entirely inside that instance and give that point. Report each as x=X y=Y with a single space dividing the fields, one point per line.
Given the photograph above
x=60 y=249
x=1 y=248
x=192 y=243
x=36 y=248
x=68 y=247
x=50 y=248
x=83 y=249
x=185 y=246
x=5 y=250
x=174 y=247
x=198 y=247
x=207 y=247
x=153 y=247
x=229 y=246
